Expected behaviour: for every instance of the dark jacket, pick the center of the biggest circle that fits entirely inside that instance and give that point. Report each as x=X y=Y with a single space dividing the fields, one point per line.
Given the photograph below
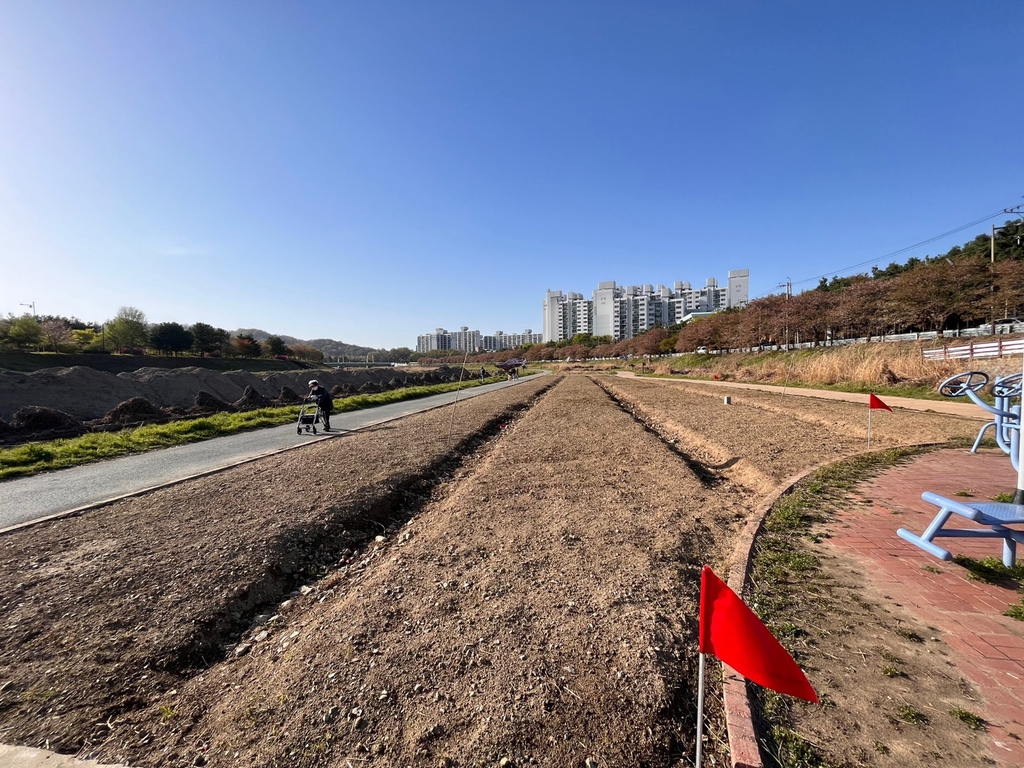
x=322 y=397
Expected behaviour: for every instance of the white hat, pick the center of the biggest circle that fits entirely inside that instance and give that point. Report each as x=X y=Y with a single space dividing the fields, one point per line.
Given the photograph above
x=313 y=382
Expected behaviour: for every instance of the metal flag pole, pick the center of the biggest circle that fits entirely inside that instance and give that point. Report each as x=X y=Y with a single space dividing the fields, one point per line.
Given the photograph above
x=458 y=389
x=700 y=707
x=869 y=423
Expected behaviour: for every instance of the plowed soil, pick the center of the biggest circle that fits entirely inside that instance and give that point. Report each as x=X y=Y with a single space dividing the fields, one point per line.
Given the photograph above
x=514 y=582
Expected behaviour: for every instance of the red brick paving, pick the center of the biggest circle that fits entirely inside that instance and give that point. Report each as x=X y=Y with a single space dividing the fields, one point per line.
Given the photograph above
x=986 y=646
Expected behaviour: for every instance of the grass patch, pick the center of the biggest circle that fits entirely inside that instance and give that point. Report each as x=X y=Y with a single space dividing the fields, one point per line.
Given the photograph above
x=909 y=714
x=971 y=720
x=909 y=634
x=989 y=570
x=1015 y=611
x=1005 y=498
x=31 y=458
x=794 y=751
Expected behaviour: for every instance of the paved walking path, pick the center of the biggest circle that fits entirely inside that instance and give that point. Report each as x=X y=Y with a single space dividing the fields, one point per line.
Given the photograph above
x=986 y=646
x=954 y=407
x=66 y=490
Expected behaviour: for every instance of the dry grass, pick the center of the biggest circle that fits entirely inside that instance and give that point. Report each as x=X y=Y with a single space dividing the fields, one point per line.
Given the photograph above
x=861 y=366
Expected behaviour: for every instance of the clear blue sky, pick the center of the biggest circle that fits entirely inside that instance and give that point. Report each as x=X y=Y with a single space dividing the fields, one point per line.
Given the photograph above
x=369 y=171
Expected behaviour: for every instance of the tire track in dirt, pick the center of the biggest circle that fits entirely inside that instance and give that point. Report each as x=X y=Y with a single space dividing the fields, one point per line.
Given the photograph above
x=108 y=611
x=541 y=610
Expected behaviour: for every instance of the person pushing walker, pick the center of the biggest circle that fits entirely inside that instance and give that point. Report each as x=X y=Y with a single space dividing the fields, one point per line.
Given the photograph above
x=323 y=400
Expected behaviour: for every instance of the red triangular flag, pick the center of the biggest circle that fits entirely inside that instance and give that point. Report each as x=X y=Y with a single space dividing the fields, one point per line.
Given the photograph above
x=733 y=633
x=874 y=402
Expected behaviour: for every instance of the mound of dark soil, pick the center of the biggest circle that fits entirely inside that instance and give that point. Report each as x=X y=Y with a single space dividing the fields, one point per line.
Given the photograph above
x=343 y=390
x=32 y=419
x=207 y=403
x=368 y=388
x=132 y=411
x=289 y=396
x=251 y=400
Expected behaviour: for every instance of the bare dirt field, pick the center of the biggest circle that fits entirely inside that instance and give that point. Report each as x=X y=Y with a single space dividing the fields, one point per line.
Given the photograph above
x=521 y=592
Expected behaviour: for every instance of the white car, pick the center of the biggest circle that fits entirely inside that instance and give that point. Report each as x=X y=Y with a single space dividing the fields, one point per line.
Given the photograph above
x=702 y=350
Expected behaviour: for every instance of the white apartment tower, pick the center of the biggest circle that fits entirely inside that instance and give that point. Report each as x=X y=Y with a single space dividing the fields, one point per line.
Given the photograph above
x=623 y=312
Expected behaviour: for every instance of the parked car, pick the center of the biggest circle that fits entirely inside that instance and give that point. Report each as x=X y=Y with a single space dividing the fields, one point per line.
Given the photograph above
x=702 y=350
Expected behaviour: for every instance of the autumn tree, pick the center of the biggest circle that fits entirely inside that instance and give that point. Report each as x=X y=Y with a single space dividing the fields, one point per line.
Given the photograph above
x=649 y=342
x=245 y=345
x=308 y=353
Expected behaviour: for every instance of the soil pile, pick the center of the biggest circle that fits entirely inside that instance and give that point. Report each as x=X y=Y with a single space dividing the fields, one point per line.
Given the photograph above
x=207 y=403
x=48 y=421
x=87 y=394
x=251 y=400
x=288 y=396
x=133 y=411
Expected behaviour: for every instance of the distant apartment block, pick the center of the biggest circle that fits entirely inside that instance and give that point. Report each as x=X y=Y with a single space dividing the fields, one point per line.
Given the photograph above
x=466 y=340
x=623 y=312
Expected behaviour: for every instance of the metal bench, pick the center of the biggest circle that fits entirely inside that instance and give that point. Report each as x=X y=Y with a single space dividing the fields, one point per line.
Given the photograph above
x=993 y=515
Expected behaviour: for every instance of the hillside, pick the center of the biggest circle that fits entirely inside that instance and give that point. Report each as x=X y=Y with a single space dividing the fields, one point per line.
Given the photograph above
x=329 y=347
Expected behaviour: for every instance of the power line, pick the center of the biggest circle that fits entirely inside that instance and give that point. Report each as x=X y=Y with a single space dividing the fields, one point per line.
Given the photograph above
x=1014 y=209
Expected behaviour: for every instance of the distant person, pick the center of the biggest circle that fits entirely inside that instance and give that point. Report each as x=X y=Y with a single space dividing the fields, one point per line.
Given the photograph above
x=322 y=398
x=483 y=373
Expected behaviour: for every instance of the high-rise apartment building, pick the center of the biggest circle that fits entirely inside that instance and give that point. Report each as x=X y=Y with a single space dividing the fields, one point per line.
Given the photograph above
x=466 y=340
x=623 y=312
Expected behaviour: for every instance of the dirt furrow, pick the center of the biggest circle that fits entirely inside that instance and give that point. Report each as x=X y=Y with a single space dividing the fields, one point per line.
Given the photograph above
x=841 y=416
x=107 y=612
x=542 y=610
x=756 y=447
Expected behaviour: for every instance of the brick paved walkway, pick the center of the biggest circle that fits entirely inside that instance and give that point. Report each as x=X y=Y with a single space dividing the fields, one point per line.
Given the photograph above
x=987 y=647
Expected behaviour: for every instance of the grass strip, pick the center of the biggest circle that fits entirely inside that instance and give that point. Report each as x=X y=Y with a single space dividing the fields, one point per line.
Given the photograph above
x=786 y=584
x=31 y=458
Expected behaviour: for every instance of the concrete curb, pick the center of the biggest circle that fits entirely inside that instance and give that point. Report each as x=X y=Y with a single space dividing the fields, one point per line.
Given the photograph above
x=736 y=696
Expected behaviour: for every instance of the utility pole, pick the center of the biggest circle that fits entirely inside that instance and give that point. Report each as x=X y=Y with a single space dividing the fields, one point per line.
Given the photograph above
x=788 y=285
x=33 y=306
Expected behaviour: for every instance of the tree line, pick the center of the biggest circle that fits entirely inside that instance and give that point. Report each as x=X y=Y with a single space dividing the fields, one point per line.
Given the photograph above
x=129 y=333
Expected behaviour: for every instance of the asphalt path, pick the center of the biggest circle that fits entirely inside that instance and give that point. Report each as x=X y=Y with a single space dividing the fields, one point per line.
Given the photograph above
x=65 y=491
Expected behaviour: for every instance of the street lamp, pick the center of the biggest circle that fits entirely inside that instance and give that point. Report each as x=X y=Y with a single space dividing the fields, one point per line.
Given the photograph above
x=33 y=306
